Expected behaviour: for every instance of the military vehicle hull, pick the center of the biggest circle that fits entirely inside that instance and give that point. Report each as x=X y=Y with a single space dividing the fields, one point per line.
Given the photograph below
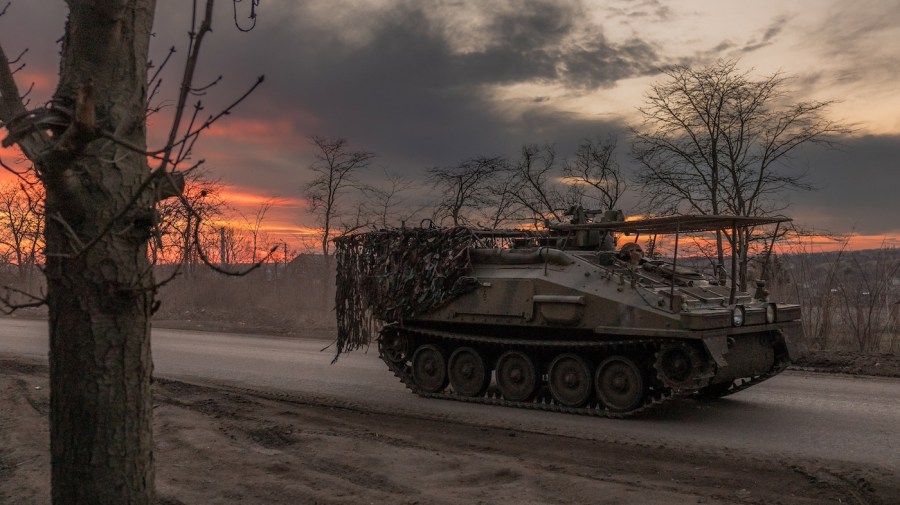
x=575 y=329
x=563 y=333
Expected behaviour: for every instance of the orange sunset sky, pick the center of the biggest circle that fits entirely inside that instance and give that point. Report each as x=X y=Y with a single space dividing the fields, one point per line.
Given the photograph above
x=430 y=83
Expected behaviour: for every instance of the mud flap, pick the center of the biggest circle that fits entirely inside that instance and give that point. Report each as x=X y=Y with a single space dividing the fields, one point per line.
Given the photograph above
x=792 y=335
x=717 y=347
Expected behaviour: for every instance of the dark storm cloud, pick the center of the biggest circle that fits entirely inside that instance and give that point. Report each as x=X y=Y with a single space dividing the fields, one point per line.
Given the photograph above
x=408 y=93
x=857 y=186
x=775 y=28
x=647 y=9
x=601 y=65
x=768 y=36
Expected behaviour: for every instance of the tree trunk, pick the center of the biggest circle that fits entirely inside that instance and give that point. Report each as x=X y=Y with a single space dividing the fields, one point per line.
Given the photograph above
x=99 y=297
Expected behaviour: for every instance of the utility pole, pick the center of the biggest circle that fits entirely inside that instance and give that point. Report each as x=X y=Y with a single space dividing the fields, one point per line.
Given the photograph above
x=222 y=258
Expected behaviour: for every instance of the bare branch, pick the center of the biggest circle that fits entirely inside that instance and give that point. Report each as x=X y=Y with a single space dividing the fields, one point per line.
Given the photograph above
x=252 y=17
x=335 y=171
x=191 y=135
x=19 y=174
x=224 y=271
x=201 y=90
x=534 y=185
x=196 y=40
x=467 y=186
x=155 y=83
x=594 y=165
x=8 y=306
x=11 y=107
x=714 y=140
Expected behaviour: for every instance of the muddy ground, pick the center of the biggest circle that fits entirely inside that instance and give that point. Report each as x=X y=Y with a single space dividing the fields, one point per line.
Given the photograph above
x=216 y=445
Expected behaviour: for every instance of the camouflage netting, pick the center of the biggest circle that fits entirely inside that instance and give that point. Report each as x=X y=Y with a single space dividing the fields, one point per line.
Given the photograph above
x=389 y=275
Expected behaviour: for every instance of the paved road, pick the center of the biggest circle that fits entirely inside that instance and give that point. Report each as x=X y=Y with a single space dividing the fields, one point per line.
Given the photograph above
x=794 y=415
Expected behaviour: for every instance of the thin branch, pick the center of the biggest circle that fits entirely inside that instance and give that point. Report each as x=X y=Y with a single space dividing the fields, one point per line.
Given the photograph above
x=16 y=60
x=232 y=273
x=164 y=152
x=201 y=90
x=196 y=39
x=212 y=119
x=8 y=306
x=155 y=83
x=20 y=175
x=252 y=17
x=162 y=65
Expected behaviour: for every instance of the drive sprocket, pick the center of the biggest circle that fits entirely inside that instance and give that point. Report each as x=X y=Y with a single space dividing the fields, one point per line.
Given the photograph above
x=681 y=367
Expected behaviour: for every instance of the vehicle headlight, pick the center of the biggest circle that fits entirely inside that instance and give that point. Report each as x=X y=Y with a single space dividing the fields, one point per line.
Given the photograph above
x=737 y=315
x=770 y=313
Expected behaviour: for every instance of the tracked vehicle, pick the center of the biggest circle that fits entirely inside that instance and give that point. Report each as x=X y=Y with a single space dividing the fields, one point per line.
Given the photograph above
x=561 y=321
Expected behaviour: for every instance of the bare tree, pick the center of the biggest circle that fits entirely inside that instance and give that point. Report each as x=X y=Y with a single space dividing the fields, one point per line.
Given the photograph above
x=535 y=184
x=491 y=191
x=714 y=140
x=257 y=235
x=595 y=170
x=88 y=149
x=21 y=224
x=231 y=245
x=390 y=203
x=335 y=169
x=179 y=226
x=465 y=187
x=864 y=285
x=505 y=209
x=812 y=282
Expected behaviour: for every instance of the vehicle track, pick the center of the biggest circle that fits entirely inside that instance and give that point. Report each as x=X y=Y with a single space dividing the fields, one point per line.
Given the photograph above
x=543 y=401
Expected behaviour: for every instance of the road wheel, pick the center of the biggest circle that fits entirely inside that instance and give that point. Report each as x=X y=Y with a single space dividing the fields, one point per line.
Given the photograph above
x=570 y=380
x=429 y=368
x=620 y=384
x=516 y=376
x=468 y=374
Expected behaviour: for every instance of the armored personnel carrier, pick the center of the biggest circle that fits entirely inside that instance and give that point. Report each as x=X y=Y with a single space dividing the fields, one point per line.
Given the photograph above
x=562 y=320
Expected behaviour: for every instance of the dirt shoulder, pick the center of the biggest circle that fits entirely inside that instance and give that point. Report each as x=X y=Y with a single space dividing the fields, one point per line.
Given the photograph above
x=216 y=445
x=853 y=363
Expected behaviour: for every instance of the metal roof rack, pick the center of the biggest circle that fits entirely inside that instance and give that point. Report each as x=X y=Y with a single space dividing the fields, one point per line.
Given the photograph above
x=675 y=224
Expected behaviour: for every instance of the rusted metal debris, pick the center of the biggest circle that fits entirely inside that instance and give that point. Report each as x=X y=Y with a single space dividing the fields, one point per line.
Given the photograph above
x=393 y=274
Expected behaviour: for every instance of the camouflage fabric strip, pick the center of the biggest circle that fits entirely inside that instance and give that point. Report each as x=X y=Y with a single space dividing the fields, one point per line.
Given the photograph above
x=388 y=275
